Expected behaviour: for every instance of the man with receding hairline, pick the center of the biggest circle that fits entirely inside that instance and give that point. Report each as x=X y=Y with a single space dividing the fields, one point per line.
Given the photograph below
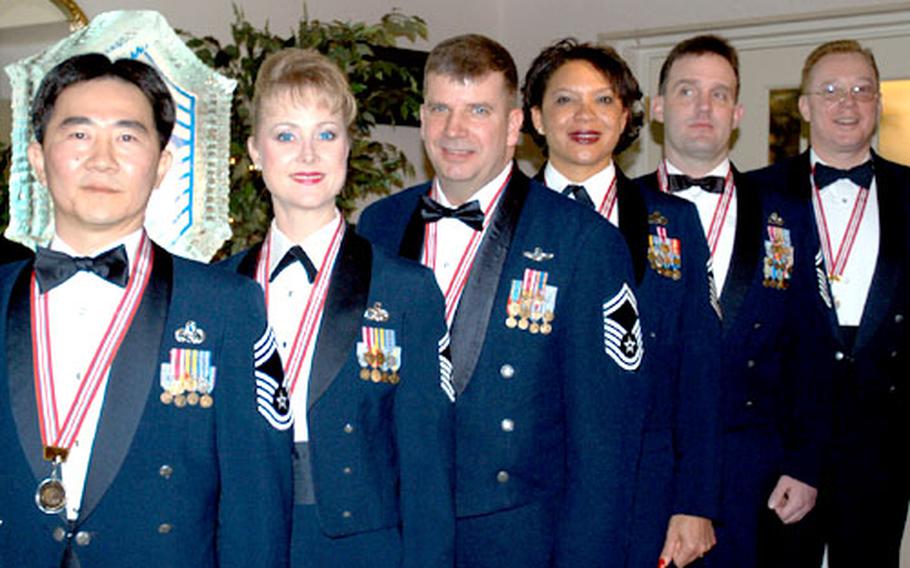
x=861 y=203
x=545 y=337
x=765 y=279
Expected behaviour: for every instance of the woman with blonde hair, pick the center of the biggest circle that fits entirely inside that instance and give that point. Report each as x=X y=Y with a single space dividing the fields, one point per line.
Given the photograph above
x=361 y=335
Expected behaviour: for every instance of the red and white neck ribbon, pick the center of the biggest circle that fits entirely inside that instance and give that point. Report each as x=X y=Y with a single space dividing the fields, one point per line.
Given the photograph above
x=466 y=262
x=609 y=201
x=55 y=433
x=837 y=263
x=315 y=305
x=720 y=211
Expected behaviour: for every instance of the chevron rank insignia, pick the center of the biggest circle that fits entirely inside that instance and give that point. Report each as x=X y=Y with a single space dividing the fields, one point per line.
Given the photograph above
x=273 y=401
x=622 y=329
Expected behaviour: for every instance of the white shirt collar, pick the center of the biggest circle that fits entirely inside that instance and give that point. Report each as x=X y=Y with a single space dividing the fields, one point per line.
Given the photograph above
x=722 y=169
x=596 y=184
x=815 y=159
x=315 y=246
x=483 y=196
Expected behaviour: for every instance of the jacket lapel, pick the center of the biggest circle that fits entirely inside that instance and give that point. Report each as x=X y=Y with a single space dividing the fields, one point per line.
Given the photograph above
x=20 y=374
x=891 y=253
x=799 y=185
x=633 y=222
x=344 y=307
x=472 y=317
x=134 y=370
x=411 y=244
x=247 y=265
x=746 y=247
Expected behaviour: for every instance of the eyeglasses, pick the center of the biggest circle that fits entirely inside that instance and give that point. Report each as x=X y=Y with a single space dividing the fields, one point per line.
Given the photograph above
x=833 y=94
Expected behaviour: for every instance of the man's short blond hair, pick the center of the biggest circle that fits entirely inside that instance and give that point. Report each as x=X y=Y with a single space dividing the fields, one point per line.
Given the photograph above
x=832 y=48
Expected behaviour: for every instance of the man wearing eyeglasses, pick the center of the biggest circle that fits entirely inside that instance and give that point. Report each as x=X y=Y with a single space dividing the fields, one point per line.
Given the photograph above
x=861 y=205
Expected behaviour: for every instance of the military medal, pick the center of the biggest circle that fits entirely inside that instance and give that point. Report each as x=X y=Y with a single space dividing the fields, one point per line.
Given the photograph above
x=58 y=437
x=777 y=266
x=665 y=254
x=460 y=279
x=50 y=497
x=187 y=378
x=513 y=304
x=533 y=301
x=837 y=263
x=378 y=355
x=304 y=340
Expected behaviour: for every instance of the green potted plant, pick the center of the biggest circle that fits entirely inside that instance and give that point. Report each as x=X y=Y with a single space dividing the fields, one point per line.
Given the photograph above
x=385 y=88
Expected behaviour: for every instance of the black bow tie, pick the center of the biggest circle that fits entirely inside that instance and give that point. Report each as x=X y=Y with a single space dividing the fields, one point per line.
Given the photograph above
x=53 y=268
x=295 y=254
x=861 y=175
x=468 y=213
x=580 y=194
x=680 y=182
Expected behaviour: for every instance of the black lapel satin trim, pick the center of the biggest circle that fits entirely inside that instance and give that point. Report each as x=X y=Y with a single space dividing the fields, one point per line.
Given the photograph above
x=892 y=253
x=746 y=249
x=345 y=304
x=411 y=245
x=799 y=183
x=20 y=374
x=134 y=371
x=247 y=266
x=633 y=222
x=469 y=329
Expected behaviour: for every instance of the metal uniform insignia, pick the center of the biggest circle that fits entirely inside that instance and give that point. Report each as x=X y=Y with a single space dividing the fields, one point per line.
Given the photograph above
x=622 y=329
x=272 y=398
x=538 y=255
x=665 y=254
x=376 y=313
x=188 y=378
x=190 y=333
x=531 y=305
x=379 y=355
x=777 y=266
x=657 y=218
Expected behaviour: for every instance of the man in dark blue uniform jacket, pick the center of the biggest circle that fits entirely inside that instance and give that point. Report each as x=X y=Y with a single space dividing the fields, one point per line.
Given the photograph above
x=180 y=466
x=763 y=259
x=545 y=336
x=866 y=482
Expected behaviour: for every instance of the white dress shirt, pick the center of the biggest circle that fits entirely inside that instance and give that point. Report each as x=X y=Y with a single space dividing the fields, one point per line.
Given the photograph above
x=596 y=186
x=706 y=203
x=288 y=296
x=79 y=312
x=453 y=236
x=852 y=288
